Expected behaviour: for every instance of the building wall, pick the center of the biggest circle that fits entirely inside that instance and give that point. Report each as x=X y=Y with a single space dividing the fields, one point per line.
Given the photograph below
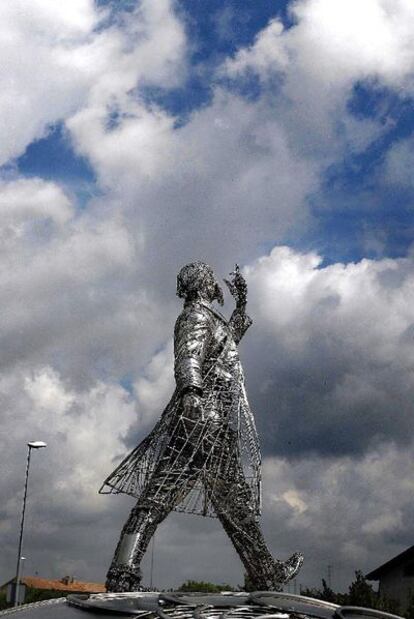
x=397 y=586
x=11 y=592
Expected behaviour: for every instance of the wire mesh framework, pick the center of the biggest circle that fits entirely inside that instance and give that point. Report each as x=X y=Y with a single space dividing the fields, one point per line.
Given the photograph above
x=203 y=455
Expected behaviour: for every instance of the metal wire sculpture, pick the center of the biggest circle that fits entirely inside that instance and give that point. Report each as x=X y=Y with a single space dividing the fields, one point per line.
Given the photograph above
x=203 y=455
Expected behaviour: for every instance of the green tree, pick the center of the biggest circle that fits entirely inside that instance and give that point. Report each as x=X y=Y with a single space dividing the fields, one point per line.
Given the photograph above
x=310 y=592
x=325 y=593
x=204 y=587
x=388 y=605
x=409 y=613
x=3 y=603
x=37 y=595
x=361 y=592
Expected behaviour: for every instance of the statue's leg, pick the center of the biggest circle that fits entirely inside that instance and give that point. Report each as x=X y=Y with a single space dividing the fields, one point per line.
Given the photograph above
x=172 y=480
x=124 y=573
x=232 y=500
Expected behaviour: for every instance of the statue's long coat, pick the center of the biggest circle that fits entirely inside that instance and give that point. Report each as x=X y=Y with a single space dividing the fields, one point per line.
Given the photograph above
x=225 y=437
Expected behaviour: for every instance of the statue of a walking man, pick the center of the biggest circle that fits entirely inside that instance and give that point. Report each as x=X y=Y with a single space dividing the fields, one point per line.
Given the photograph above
x=202 y=456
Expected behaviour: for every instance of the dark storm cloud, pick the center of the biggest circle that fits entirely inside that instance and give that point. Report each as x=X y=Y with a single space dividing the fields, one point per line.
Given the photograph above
x=330 y=362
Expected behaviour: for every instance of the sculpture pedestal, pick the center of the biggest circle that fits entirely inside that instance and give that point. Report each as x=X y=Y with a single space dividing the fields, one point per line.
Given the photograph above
x=178 y=605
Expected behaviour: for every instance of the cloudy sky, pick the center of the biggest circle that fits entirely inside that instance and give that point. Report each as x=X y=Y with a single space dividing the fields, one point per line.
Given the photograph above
x=136 y=136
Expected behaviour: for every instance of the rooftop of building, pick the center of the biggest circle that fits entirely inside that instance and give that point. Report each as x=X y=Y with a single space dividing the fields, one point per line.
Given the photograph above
x=64 y=584
x=398 y=560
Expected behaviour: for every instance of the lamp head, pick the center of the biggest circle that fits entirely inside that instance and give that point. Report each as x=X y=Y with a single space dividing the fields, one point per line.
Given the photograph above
x=36 y=444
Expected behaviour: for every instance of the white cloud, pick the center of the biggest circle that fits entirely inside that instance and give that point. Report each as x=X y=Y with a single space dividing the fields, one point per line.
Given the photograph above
x=142 y=141
x=267 y=55
x=293 y=498
x=175 y=184
x=91 y=424
x=154 y=389
x=365 y=304
x=84 y=432
x=346 y=40
x=67 y=281
x=332 y=46
x=334 y=42
x=47 y=392
x=33 y=199
x=56 y=58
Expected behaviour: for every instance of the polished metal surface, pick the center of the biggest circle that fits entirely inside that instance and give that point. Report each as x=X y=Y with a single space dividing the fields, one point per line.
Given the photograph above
x=127 y=547
x=224 y=605
x=203 y=455
x=179 y=605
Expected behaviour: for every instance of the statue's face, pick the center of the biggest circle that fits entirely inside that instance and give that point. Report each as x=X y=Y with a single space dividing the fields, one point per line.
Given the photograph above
x=207 y=287
x=211 y=290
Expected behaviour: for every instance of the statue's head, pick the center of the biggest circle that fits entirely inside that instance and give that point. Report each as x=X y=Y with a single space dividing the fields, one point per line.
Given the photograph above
x=197 y=281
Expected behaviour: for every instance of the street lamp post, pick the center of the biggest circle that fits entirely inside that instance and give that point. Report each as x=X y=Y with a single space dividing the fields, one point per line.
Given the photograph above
x=31 y=445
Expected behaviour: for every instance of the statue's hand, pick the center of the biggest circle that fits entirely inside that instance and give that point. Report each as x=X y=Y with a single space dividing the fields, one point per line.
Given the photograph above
x=237 y=287
x=192 y=407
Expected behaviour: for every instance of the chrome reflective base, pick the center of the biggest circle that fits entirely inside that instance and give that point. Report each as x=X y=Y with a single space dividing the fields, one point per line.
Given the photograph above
x=226 y=605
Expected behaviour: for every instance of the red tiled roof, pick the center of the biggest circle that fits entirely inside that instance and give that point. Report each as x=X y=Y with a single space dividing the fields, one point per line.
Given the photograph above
x=59 y=585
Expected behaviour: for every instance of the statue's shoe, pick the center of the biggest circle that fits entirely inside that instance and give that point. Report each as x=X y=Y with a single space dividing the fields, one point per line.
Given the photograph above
x=122 y=579
x=272 y=576
x=286 y=570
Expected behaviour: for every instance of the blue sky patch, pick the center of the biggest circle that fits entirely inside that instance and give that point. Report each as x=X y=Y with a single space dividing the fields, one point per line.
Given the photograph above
x=53 y=158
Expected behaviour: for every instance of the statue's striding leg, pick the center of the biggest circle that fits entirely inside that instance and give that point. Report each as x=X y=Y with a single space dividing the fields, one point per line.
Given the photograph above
x=167 y=487
x=233 y=504
x=124 y=573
